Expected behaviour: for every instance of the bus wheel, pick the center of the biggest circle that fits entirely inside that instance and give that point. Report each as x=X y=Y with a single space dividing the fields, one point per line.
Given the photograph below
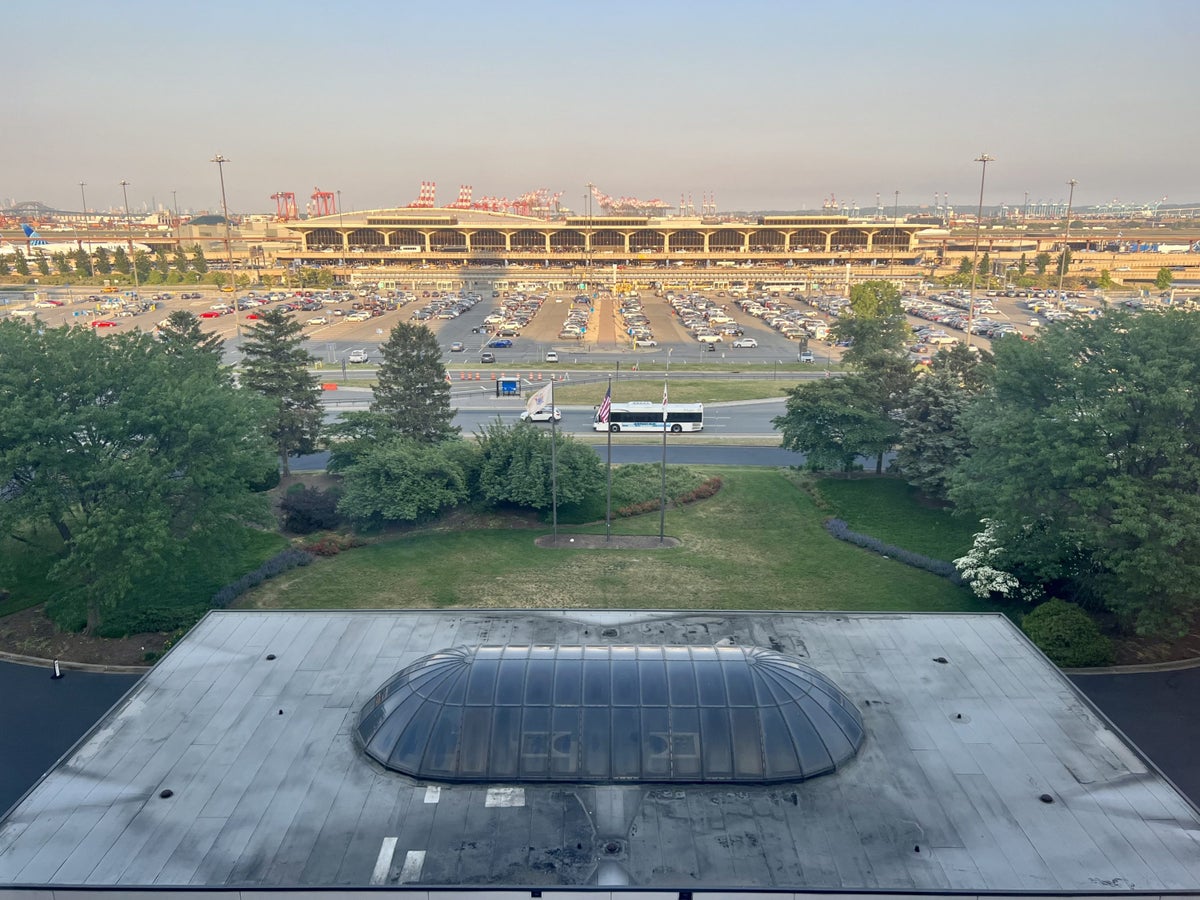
x=675 y=429
x=614 y=427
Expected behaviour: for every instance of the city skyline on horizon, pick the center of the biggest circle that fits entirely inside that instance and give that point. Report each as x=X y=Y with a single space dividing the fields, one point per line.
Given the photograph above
x=762 y=106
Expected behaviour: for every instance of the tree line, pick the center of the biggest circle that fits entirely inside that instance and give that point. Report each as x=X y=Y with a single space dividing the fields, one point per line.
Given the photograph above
x=1079 y=451
x=133 y=448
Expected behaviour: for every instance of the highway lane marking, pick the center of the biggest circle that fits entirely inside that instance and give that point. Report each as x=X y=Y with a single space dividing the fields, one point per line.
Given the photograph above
x=383 y=863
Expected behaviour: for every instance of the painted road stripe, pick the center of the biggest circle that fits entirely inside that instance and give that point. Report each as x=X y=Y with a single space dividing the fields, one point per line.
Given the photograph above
x=414 y=860
x=505 y=796
x=383 y=864
x=433 y=794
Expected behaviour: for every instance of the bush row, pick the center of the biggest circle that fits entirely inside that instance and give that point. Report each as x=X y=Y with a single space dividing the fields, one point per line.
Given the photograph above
x=702 y=491
x=276 y=565
x=843 y=532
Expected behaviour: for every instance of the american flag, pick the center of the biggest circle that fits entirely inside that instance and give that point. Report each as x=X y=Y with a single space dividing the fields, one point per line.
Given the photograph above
x=605 y=406
x=664 y=401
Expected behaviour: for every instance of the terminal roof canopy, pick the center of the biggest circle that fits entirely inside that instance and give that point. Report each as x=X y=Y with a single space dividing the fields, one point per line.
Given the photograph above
x=607 y=714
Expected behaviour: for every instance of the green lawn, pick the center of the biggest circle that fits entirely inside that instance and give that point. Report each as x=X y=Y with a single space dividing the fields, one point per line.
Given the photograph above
x=680 y=390
x=758 y=544
x=893 y=511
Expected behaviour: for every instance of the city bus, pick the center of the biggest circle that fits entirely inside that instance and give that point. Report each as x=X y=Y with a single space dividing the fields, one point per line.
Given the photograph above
x=646 y=416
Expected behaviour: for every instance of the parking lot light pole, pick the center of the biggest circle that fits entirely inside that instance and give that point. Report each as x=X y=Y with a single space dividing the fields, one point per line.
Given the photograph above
x=129 y=228
x=237 y=321
x=1062 y=262
x=985 y=159
x=83 y=198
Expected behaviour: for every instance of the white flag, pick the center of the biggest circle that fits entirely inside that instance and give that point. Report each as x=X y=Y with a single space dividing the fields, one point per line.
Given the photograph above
x=539 y=400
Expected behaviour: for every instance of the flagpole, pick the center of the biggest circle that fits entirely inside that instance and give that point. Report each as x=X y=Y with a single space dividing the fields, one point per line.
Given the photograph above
x=608 y=505
x=553 y=464
x=662 y=511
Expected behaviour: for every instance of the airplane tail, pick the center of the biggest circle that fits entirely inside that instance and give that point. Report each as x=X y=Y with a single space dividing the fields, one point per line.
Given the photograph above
x=35 y=239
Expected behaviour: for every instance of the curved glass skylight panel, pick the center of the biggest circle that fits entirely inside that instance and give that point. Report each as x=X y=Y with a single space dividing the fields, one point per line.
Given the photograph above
x=610 y=714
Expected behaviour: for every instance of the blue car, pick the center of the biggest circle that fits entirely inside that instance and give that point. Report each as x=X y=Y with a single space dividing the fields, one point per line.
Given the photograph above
x=500 y=343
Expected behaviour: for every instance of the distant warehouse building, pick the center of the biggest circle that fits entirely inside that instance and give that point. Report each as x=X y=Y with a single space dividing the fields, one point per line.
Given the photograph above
x=540 y=753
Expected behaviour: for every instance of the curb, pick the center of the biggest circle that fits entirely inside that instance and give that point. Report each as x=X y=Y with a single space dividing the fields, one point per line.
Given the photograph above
x=1178 y=665
x=75 y=666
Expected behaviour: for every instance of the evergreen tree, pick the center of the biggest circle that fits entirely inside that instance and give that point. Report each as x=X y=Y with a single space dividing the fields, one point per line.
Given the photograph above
x=43 y=264
x=20 y=264
x=181 y=334
x=62 y=264
x=180 y=261
x=83 y=263
x=5 y=268
x=1022 y=265
x=143 y=263
x=412 y=391
x=162 y=262
x=103 y=262
x=277 y=366
x=199 y=263
x=121 y=263
x=1164 y=279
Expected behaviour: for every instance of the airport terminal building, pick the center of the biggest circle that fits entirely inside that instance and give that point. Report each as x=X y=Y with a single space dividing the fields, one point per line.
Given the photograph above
x=408 y=235
x=540 y=753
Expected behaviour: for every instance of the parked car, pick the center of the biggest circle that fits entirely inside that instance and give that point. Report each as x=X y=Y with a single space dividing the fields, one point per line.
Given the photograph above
x=545 y=414
x=458 y=347
x=500 y=343
x=211 y=314
x=806 y=356
x=551 y=356
x=745 y=343
x=103 y=323
x=487 y=357
x=358 y=356
x=316 y=320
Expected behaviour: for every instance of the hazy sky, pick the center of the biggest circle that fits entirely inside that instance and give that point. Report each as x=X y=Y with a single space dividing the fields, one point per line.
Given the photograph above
x=767 y=105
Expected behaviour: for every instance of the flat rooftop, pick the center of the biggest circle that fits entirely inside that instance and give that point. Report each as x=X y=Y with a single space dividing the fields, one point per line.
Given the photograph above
x=970 y=731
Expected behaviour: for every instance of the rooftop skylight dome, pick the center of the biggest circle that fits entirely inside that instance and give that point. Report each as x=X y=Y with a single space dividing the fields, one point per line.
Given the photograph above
x=610 y=714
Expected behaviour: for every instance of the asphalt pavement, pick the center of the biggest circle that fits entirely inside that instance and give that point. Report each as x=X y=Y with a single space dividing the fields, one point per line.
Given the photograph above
x=44 y=717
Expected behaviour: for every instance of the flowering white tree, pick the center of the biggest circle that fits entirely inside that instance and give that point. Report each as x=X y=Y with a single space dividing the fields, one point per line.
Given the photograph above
x=978 y=568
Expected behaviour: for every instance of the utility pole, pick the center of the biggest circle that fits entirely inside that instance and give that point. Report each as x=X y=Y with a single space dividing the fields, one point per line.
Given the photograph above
x=985 y=159
x=129 y=227
x=1062 y=262
x=237 y=322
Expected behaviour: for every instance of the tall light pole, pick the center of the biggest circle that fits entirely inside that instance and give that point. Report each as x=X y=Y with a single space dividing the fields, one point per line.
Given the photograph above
x=129 y=227
x=83 y=199
x=985 y=159
x=895 y=222
x=237 y=322
x=1062 y=262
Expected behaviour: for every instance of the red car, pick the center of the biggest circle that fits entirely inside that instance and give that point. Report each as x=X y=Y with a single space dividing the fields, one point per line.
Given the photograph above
x=252 y=316
x=210 y=314
x=103 y=323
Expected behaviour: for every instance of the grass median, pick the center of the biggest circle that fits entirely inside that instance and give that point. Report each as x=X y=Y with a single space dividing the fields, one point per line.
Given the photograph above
x=758 y=544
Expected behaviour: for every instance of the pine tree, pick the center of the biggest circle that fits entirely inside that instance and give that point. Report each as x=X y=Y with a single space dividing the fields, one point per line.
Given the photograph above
x=277 y=366
x=412 y=393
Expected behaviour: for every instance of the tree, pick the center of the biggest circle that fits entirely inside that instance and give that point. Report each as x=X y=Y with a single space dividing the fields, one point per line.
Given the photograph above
x=131 y=454
x=1104 y=282
x=142 y=263
x=21 y=264
x=876 y=321
x=933 y=440
x=103 y=262
x=179 y=261
x=516 y=467
x=199 y=263
x=181 y=334
x=162 y=262
x=5 y=268
x=412 y=391
x=1063 y=262
x=1022 y=265
x=1086 y=456
x=121 y=263
x=984 y=270
x=964 y=266
x=62 y=264
x=277 y=366
x=402 y=480
x=1041 y=262
x=1164 y=279
x=82 y=262
x=833 y=422
x=43 y=264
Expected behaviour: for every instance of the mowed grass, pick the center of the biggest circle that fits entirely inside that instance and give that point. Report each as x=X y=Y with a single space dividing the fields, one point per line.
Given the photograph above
x=679 y=390
x=894 y=511
x=758 y=544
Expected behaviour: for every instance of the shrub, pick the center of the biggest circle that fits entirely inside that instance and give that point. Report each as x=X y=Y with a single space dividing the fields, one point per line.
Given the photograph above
x=842 y=532
x=331 y=544
x=1068 y=635
x=276 y=565
x=310 y=509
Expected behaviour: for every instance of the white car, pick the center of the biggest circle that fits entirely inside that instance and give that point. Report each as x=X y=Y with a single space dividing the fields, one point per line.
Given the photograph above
x=545 y=414
x=645 y=342
x=742 y=343
x=358 y=356
x=359 y=316
x=551 y=356
x=316 y=320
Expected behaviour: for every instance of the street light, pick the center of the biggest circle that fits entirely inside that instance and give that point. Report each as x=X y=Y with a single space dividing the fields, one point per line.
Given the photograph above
x=895 y=220
x=985 y=159
x=237 y=322
x=83 y=198
x=129 y=227
x=1062 y=262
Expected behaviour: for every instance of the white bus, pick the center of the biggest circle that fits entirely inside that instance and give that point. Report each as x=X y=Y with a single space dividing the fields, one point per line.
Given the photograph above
x=644 y=415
